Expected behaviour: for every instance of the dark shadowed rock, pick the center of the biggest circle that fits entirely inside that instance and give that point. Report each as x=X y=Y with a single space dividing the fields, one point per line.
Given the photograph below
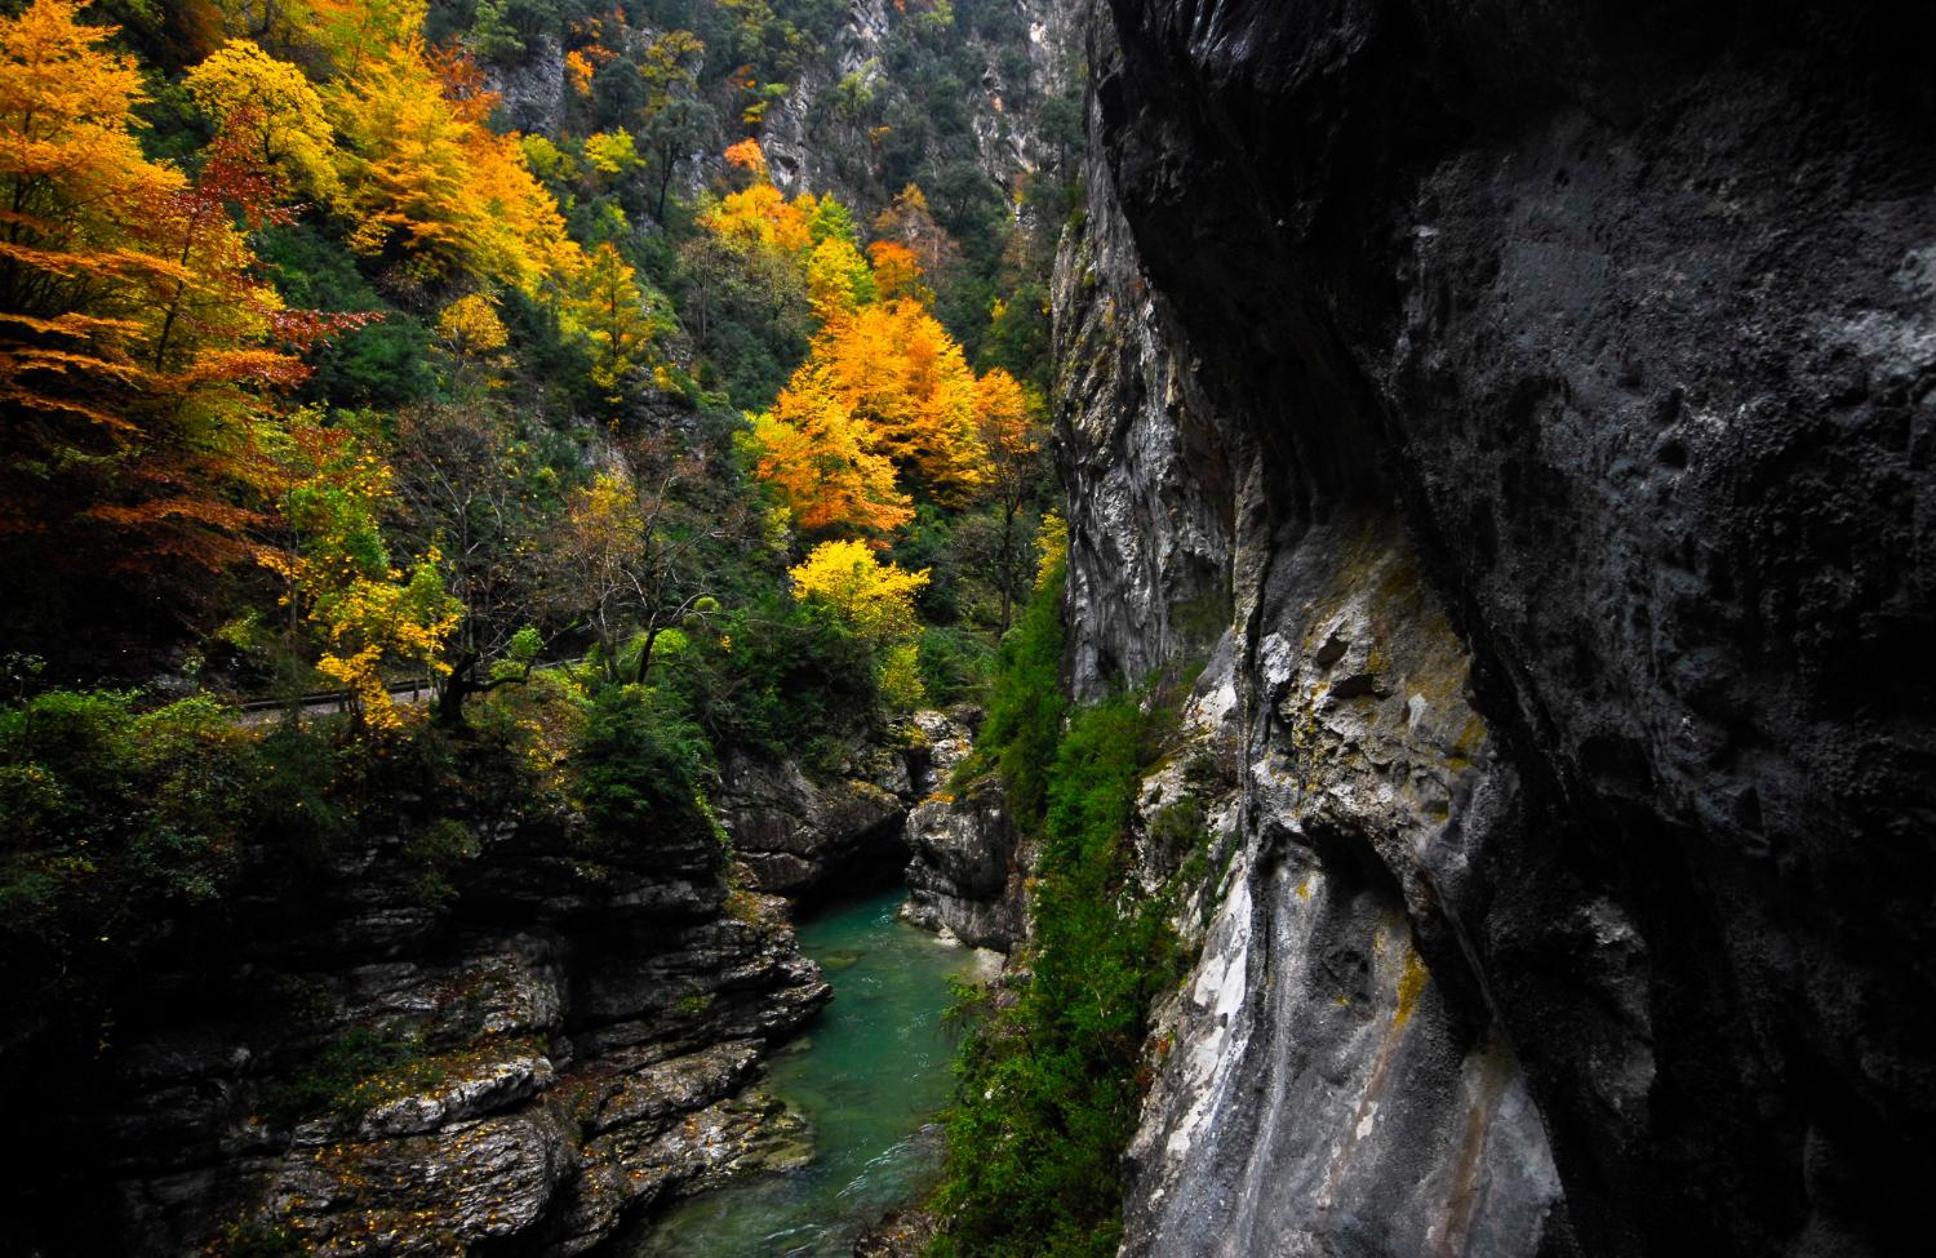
x=1549 y=383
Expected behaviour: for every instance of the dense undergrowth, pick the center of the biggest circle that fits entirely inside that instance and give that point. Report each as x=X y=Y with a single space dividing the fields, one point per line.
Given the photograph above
x=1048 y=1091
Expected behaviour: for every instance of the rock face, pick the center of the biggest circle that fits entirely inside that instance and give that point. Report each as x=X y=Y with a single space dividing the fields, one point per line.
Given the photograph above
x=1540 y=395
x=573 y=1033
x=965 y=876
x=799 y=837
x=811 y=143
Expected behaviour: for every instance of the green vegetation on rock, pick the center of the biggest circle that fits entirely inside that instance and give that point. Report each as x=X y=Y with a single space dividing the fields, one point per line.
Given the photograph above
x=1048 y=1090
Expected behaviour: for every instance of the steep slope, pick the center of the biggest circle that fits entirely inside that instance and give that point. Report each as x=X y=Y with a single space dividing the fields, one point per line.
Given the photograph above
x=1549 y=386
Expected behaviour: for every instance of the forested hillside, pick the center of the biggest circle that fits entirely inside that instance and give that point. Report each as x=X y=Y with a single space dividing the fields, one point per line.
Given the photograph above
x=643 y=383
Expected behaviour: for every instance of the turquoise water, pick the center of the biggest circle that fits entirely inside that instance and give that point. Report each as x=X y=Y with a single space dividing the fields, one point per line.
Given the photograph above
x=869 y=1074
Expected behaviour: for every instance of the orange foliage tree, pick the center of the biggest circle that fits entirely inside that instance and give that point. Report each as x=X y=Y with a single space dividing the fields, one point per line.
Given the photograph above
x=433 y=188
x=758 y=216
x=1010 y=418
x=825 y=463
x=139 y=349
x=899 y=372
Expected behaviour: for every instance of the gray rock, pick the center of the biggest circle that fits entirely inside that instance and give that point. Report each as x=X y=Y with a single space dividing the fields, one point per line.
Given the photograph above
x=1540 y=391
x=965 y=876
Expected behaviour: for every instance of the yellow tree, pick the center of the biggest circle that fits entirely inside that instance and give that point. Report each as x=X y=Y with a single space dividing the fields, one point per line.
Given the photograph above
x=824 y=463
x=876 y=601
x=608 y=308
x=431 y=185
x=274 y=105
x=471 y=332
x=758 y=216
x=368 y=613
x=838 y=280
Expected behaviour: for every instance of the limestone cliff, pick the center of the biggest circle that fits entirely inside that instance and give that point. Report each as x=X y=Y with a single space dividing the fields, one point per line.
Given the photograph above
x=1543 y=393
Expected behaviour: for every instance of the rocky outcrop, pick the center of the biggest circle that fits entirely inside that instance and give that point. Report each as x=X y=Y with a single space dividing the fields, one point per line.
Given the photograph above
x=1548 y=385
x=800 y=837
x=966 y=874
x=531 y=90
x=794 y=834
x=814 y=140
x=572 y=1032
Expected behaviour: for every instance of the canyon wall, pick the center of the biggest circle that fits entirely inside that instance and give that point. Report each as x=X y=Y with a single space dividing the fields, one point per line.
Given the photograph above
x=1537 y=399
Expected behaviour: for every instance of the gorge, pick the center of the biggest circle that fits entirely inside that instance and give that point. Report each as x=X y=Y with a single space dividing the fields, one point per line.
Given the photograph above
x=1145 y=627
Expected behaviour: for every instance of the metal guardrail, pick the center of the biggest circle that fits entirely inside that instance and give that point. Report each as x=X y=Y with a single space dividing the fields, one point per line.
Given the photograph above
x=414 y=687
x=323 y=698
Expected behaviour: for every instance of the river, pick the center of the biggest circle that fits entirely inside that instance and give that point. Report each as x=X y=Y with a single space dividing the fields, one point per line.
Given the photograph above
x=870 y=1074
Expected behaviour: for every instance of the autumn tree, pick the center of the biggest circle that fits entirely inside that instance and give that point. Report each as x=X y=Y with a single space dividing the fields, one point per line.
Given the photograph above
x=758 y=216
x=826 y=465
x=909 y=223
x=469 y=490
x=607 y=307
x=876 y=601
x=896 y=369
x=897 y=272
x=743 y=278
x=629 y=555
x=275 y=108
x=839 y=281
x=673 y=115
x=73 y=252
x=140 y=349
x=368 y=613
x=1009 y=419
x=433 y=189
x=470 y=331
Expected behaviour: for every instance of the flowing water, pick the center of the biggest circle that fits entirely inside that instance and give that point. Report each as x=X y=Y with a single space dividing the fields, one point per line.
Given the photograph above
x=870 y=1074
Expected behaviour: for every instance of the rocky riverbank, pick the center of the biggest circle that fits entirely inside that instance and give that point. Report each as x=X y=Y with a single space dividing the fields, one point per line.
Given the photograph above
x=560 y=1038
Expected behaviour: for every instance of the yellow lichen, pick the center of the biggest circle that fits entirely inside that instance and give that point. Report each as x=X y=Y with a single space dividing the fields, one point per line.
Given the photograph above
x=1411 y=981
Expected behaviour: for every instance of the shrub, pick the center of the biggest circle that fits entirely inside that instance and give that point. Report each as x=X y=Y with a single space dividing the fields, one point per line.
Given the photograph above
x=113 y=820
x=1025 y=706
x=901 y=686
x=954 y=665
x=349 y=1075
x=776 y=675
x=1048 y=1093
x=642 y=769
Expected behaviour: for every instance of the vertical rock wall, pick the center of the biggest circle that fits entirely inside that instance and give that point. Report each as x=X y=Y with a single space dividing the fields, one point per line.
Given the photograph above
x=1545 y=391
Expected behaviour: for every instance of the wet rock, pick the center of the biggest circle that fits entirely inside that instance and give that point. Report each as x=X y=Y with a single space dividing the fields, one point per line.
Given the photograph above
x=900 y=1234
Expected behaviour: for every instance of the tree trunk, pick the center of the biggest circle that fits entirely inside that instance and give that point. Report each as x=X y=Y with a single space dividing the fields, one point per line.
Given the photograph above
x=459 y=686
x=645 y=653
